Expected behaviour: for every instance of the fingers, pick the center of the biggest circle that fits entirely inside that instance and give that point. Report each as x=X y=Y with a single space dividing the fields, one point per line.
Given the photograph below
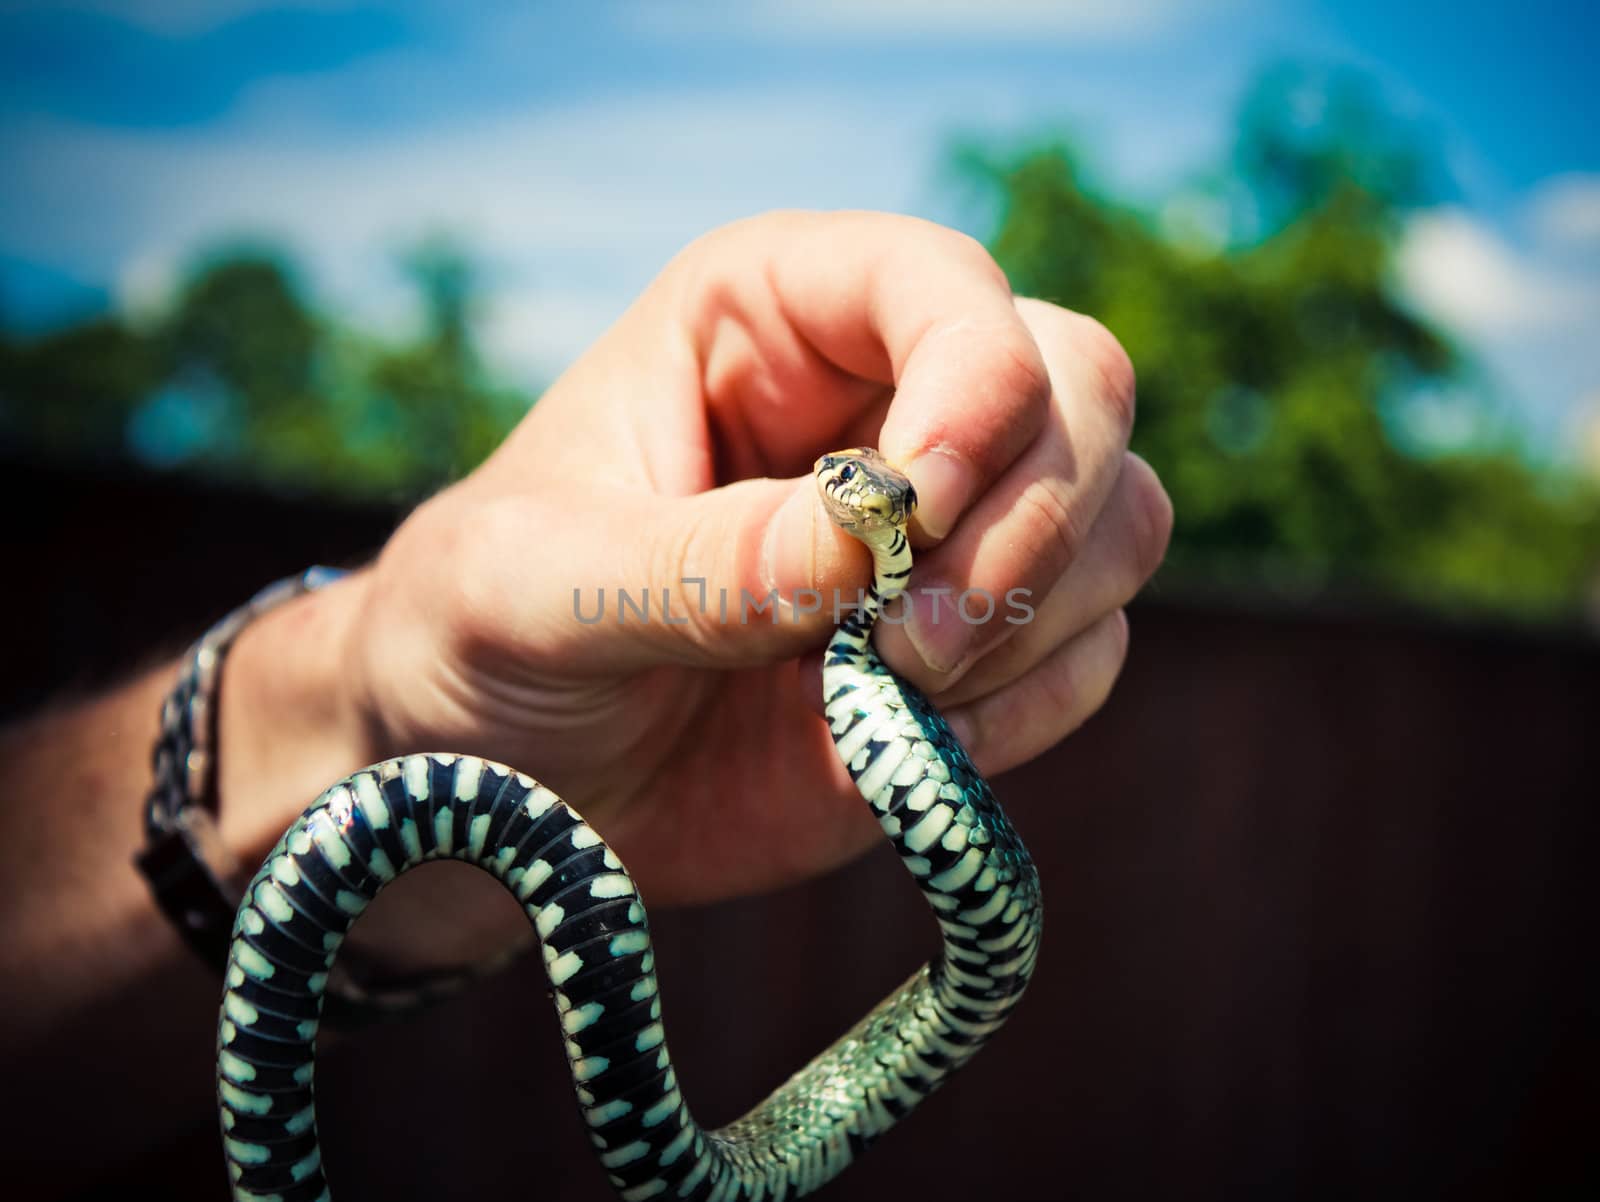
x=1011 y=416
x=1036 y=518
x=803 y=322
x=1047 y=703
x=623 y=583
x=1075 y=523
x=1122 y=551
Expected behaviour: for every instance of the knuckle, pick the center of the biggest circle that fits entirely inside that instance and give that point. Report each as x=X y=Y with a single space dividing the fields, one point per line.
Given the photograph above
x=1089 y=677
x=1119 y=637
x=1009 y=404
x=677 y=556
x=1006 y=658
x=952 y=245
x=1053 y=539
x=975 y=254
x=1117 y=383
x=1152 y=516
x=1061 y=694
x=474 y=610
x=1115 y=634
x=1021 y=372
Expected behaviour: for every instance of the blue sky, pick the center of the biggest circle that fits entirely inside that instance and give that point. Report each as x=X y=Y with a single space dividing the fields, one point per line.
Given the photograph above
x=575 y=148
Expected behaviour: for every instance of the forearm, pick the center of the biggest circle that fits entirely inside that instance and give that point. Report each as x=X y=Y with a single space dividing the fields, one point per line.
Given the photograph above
x=99 y=995
x=78 y=920
x=98 y=991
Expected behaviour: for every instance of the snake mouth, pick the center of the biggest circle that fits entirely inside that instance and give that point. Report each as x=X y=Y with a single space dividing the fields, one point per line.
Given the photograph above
x=862 y=492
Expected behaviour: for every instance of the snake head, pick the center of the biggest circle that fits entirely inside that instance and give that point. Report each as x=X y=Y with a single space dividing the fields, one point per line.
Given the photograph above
x=862 y=492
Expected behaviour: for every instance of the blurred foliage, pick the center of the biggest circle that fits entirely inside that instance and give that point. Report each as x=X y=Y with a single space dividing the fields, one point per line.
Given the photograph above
x=1283 y=383
x=240 y=379
x=1287 y=396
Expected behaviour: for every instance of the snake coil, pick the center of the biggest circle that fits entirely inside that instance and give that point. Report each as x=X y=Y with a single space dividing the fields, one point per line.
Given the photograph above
x=932 y=804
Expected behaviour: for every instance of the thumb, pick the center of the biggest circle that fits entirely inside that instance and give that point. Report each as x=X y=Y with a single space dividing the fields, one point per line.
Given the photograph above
x=742 y=576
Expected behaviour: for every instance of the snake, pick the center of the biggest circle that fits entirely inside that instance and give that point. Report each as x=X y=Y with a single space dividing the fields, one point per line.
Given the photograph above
x=931 y=802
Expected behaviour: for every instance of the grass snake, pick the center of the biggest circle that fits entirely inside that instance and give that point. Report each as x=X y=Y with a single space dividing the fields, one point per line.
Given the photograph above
x=937 y=811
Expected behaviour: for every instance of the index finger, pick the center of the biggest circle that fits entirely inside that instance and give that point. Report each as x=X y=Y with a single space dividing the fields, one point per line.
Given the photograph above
x=873 y=301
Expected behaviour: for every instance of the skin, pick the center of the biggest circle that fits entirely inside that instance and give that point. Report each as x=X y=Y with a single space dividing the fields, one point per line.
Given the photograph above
x=679 y=446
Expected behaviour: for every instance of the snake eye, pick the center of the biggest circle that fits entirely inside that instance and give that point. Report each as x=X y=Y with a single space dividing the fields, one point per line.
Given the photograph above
x=847 y=473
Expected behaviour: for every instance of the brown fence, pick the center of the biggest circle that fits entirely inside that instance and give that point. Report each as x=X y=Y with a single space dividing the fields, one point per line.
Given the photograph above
x=1317 y=915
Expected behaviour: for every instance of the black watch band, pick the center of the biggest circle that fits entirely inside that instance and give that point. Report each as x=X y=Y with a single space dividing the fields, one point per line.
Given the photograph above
x=191 y=871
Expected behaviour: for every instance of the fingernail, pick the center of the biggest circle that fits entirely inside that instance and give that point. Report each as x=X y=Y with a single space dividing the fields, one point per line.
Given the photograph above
x=945 y=486
x=788 y=552
x=935 y=627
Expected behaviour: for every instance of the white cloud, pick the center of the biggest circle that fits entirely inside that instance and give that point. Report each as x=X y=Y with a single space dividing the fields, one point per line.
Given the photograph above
x=572 y=210
x=909 y=20
x=1085 y=20
x=1456 y=268
x=572 y=206
x=147 y=284
x=1584 y=435
x=525 y=333
x=1565 y=211
x=1528 y=313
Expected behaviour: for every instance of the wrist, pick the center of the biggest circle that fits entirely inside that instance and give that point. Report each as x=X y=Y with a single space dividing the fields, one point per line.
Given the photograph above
x=289 y=724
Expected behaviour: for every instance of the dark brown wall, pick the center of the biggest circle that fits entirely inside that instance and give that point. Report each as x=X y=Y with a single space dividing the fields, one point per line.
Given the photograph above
x=1318 y=909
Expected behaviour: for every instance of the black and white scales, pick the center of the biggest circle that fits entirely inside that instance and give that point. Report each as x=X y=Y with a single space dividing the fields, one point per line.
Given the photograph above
x=936 y=810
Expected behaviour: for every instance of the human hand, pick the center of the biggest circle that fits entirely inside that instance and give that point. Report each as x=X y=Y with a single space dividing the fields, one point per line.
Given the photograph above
x=668 y=453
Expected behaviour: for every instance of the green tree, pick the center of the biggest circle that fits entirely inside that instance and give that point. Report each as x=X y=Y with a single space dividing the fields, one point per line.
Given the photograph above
x=242 y=378
x=435 y=386
x=1280 y=372
x=1277 y=362
x=70 y=393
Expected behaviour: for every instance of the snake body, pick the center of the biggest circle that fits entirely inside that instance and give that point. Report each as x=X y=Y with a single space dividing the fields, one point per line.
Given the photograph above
x=367 y=829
